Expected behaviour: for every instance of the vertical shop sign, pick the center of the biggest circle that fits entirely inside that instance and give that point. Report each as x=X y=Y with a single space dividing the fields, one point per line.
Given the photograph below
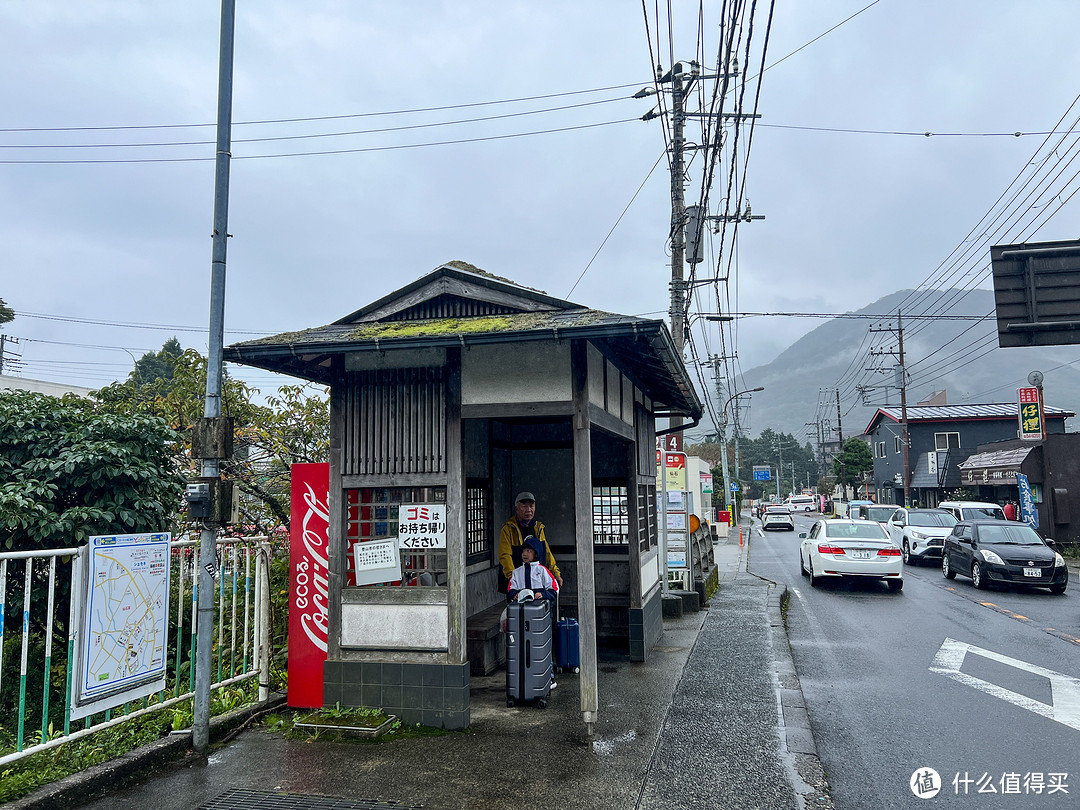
x=309 y=588
x=1028 y=514
x=1031 y=414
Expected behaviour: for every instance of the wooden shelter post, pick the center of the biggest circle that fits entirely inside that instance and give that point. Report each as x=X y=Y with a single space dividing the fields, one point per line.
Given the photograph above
x=337 y=528
x=583 y=508
x=455 y=515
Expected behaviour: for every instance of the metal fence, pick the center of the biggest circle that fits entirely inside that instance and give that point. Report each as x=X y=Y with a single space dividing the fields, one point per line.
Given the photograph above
x=241 y=643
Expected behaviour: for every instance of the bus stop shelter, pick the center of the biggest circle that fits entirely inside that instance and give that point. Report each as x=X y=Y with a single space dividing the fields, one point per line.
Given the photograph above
x=458 y=391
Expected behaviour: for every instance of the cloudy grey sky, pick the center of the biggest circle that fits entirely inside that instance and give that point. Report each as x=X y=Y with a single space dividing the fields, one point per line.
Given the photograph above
x=106 y=249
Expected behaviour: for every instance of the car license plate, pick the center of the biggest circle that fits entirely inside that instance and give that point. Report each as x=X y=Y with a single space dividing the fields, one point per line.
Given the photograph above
x=1032 y=572
x=860 y=555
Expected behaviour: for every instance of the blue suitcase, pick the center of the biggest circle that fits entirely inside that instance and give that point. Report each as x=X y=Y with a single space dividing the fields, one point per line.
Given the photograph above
x=568 y=645
x=528 y=652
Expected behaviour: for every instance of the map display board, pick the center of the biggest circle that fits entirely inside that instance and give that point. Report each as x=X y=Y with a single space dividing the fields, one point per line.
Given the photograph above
x=123 y=621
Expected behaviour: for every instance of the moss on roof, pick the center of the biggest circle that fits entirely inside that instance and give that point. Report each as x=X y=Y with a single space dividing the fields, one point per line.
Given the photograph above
x=449 y=326
x=465 y=267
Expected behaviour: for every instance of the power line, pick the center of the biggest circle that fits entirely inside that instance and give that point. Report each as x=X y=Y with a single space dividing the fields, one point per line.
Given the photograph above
x=325 y=117
x=381 y=130
x=327 y=151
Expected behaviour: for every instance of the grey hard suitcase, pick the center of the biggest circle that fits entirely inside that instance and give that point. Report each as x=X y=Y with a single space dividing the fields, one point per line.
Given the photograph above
x=528 y=652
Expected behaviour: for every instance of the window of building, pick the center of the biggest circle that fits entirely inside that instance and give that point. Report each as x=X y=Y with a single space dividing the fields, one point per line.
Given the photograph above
x=611 y=516
x=897 y=444
x=879 y=450
x=945 y=441
x=478 y=535
x=373 y=515
x=646 y=524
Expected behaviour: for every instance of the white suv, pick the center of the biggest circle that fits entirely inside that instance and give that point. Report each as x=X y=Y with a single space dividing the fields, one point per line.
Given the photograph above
x=972 y=510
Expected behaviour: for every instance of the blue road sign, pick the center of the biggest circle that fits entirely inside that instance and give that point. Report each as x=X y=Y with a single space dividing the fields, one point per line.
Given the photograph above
x=762 y=475
x=734 y=486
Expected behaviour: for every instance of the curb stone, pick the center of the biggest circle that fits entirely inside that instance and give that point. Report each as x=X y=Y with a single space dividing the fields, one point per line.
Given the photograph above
x=798 y=749
x=800 y=753
x=167 y=753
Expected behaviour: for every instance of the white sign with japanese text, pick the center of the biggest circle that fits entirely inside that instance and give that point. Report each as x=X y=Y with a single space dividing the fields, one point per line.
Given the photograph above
x=422 y=525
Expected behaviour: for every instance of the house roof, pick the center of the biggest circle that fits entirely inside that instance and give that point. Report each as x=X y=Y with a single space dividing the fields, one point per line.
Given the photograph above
x=458 y=305
x=958 y=413
x=1003 y=459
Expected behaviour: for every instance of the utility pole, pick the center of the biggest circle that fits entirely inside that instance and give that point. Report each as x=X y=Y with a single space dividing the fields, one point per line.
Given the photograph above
x=840 y=435
x=901 y=383
x=678 y=206
x=4 y=340
x=903 y=411
x=211 y=472
x=723 y=434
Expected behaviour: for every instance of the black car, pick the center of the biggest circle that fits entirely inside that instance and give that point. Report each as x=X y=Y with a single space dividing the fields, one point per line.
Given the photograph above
x=1003 y=552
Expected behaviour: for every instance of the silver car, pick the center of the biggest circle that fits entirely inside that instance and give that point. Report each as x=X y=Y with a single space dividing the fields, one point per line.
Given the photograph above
x=777 y=517
x=920 y=533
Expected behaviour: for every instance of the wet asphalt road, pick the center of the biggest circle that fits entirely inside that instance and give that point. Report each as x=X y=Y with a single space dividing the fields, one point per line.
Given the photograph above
x=1007 y=717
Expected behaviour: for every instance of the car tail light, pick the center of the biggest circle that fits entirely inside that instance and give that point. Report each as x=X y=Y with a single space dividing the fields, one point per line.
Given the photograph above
x=826 y=549
x=889 y=552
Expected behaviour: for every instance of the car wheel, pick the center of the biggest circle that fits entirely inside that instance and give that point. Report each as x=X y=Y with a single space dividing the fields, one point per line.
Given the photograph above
x=814 y=581
x=907 y=554
x=948 y=572
x=896 y=585
x=802 y=565
x=977 y=576
x=1058 y=589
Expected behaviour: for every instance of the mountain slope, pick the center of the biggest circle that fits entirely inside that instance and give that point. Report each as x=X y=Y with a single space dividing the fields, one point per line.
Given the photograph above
x=954 y=355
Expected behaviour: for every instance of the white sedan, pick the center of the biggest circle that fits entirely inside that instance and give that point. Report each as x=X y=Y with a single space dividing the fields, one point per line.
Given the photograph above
x=850 y=548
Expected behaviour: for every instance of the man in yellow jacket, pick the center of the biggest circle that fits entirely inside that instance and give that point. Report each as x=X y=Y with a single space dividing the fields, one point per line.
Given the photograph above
x=520 y=525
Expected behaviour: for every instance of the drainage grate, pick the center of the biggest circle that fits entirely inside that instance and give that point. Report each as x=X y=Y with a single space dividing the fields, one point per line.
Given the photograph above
x=238 y=799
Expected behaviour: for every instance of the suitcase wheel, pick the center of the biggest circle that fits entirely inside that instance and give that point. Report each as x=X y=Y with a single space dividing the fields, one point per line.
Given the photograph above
x=510 y=702
x=541 y=704
x=558 y=670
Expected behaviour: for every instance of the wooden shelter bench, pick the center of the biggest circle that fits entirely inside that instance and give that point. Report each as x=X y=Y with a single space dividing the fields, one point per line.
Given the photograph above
x=485 y=645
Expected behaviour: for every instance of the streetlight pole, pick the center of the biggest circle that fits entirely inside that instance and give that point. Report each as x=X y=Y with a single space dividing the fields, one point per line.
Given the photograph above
x=723 y=444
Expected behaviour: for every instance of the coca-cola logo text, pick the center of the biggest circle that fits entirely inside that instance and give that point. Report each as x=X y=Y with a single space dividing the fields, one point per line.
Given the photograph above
x=311 y=595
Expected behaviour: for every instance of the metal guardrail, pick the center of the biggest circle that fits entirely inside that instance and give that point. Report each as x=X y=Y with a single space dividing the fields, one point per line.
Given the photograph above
x=242 y=604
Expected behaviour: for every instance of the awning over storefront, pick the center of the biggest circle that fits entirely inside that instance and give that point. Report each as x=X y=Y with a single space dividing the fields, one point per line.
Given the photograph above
x=998 y=467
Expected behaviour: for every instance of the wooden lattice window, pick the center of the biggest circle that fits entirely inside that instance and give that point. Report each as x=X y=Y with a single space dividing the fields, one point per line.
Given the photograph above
x=477 y=520
x=611 y=516
x=646 y=508
x=373 y=515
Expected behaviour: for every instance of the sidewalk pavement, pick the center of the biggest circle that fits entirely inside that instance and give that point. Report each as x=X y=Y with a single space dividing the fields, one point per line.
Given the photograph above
x=714 y=719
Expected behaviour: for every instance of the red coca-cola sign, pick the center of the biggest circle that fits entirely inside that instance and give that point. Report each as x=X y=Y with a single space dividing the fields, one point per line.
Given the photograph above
x=309 y=588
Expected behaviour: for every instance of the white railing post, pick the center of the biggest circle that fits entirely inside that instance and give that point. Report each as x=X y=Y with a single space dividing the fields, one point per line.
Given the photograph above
x=262 y=584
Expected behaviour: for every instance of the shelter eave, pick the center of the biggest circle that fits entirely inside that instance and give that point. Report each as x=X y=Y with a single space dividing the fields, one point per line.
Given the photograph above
x=643 y=348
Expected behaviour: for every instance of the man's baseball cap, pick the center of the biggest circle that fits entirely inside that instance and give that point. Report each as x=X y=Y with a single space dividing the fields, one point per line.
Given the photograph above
x=524 y=496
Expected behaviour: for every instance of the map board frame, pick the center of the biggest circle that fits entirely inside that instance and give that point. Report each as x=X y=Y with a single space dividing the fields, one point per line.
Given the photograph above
x=149 y=556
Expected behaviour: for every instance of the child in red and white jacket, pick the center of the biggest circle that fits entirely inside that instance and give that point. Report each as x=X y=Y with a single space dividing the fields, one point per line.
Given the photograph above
x=532 y=579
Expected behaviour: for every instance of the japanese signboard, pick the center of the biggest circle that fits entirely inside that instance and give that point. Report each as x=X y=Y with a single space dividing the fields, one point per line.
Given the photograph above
x=422 y=525
x=1031 y=414
x=1028 y=514
x=309 y=583
x=762 y=473
x=675 y=469
x=706 y=483
x=377 y=561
